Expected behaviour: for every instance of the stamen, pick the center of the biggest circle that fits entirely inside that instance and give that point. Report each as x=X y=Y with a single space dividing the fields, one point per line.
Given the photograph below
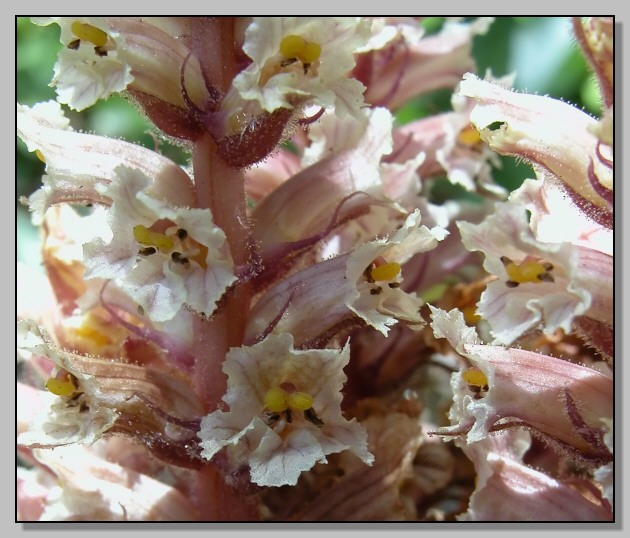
x=470 y=314
x=292 y=45
x=40 y=156
x=144 y=236
x=276 y=400
x=295 y=48
x=545 y=277
x=61 y=387
x=469 y=136
x=270 y=418
x=147 y=251
x=310 y=53
x=527 y=271
x=387 y=271
x=311 y=416
x=87 y=32
x=475 y=377
x=200 y=257
x=284 y=400
x=92 y=334
x=300 y=401
x=288 y=62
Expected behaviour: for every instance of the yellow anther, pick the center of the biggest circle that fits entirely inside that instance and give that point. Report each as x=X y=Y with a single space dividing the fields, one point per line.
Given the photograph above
x=469 y=136
x=387 y=271
x=276 y=400
x=144 y=236
x=60 y=387
x=40 y=156
x=470 y=315
x=200 y=257
x=87 y=32
x=475 y=377
x=292 y=45
x=310 y=53
x=93 y=335
x=526 y=271
x=300 y=401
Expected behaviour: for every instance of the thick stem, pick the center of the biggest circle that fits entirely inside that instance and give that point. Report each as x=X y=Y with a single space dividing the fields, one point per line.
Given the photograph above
x=219 y=502
x=221 y=189
x=213 y=44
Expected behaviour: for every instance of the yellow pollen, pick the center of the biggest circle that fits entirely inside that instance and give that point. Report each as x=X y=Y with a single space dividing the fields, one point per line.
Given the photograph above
x=295 y=46
x=60 y=387
x=94 y=335
x=475 y=377
x=300 y=401
x=144 y=236
x=200 y=258
x=310 y=53
x=469 y=136
x=526 y=271
x=292 y=45
x=40 y=156
x=276 y=400
x=87 y=32
x=387 y=271
x=470 y=315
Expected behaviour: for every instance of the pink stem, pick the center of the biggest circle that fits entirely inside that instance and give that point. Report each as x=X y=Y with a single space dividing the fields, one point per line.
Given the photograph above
x=220 y=188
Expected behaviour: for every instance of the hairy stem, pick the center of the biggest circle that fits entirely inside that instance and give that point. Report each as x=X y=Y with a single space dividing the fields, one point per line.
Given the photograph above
x=221 y=189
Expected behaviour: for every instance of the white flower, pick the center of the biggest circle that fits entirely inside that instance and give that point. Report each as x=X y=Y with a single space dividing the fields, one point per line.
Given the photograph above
x=163 y=257
x=76 y=162
x=303 y=60
x=285 y=413
x=89 y=67
x=556 y=218
x=76 y=410
x=90 y=487
x=538 y=282
x=373 y=273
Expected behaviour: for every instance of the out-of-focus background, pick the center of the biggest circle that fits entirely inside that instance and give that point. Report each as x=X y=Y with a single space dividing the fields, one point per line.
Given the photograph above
x=540 y=50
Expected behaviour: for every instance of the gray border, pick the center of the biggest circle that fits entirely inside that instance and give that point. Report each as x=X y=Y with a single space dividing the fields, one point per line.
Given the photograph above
x=400 y=6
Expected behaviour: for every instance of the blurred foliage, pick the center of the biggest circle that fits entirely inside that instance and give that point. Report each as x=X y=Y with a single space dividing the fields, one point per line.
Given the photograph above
x=540 y=50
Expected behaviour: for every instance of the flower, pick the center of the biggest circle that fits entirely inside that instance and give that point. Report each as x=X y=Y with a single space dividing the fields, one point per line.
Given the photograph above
x=90 y=66
x=377 y=263
x=80 y=483
x=510 y=490
x=164 y=257
x=522 y=389
x=302 y=61
x=324 y=311
x=537 y=282
x=565 y=152
x=284 y=412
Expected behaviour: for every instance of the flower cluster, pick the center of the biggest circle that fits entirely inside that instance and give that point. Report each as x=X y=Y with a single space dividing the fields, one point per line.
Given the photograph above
x=290 y=327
